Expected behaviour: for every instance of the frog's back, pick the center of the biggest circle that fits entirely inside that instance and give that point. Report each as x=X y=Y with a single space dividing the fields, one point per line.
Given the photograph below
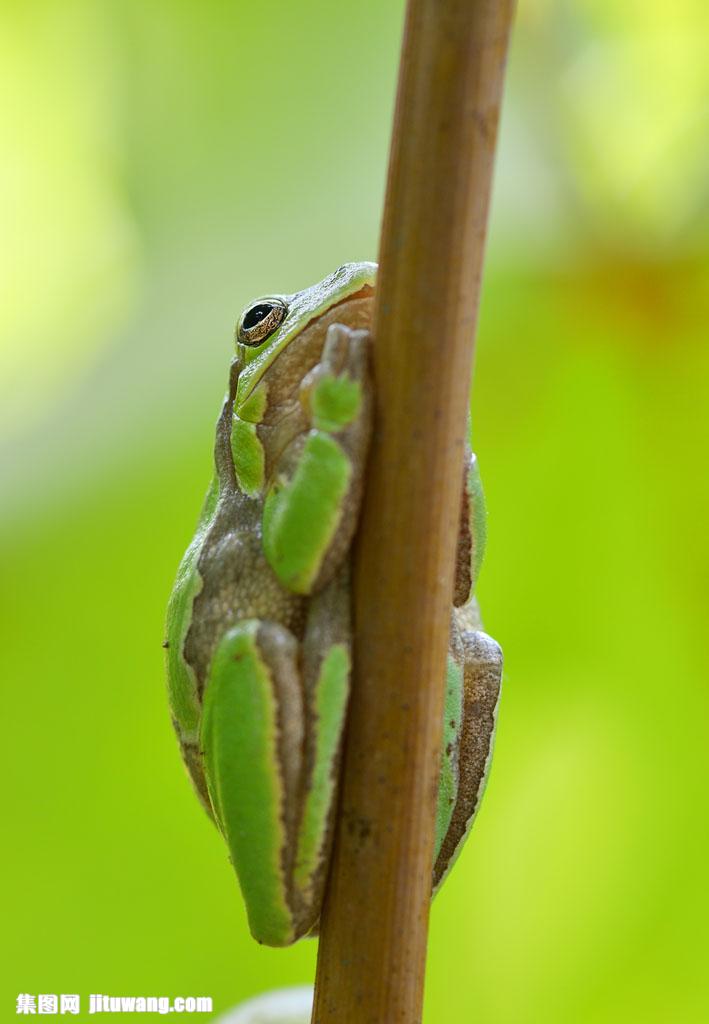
x=182 y=681
x=223 y=579
x=237 y=583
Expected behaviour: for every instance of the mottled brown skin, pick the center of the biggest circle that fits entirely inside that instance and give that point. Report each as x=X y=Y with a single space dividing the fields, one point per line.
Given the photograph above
x=238 y=582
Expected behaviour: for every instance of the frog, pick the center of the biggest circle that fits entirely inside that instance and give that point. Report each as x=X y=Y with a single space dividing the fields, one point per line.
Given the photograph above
x=259 y=626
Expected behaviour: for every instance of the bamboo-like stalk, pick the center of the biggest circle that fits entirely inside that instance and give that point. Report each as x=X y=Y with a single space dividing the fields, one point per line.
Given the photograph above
x=374 y=927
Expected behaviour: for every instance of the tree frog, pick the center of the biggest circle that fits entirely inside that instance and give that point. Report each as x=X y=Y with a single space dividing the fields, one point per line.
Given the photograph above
x=259 y=622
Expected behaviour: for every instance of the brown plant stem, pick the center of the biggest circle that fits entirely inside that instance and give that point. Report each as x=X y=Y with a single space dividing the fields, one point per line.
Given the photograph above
x=374 y=926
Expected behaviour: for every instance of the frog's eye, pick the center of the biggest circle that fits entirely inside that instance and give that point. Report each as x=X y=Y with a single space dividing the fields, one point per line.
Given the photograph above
x=260 y=320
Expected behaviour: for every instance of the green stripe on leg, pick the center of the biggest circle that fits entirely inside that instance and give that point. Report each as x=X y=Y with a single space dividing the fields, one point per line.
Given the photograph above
x=300 y=518
x=248 y=455
x=331 y=694
x=239 y=739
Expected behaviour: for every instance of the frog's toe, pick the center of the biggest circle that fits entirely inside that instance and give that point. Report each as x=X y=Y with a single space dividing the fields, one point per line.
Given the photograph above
x=346 y=350
x=336 y=348
x=358 y=361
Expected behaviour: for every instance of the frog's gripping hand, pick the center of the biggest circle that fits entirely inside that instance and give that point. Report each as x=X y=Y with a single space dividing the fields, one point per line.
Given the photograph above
x=312 y=504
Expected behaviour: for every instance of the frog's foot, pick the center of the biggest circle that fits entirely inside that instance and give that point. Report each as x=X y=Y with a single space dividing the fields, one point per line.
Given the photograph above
x=482 y=675
x=345 y=349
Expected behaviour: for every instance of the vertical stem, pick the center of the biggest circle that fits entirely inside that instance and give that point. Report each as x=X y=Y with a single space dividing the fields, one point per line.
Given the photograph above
x=374 y=925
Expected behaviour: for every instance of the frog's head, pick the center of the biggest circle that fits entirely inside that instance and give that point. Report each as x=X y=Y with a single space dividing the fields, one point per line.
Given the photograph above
x=279 y=338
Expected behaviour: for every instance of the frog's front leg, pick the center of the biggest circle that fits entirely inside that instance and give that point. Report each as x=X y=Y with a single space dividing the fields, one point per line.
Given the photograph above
x=271 y=734
x=314 y=495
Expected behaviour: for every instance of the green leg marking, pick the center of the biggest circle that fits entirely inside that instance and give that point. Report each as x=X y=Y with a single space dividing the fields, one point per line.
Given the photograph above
x=330 y=702
x=300 y=518
x=248 y=455
x=452 y=723
x=336 y=402
x=239 y=739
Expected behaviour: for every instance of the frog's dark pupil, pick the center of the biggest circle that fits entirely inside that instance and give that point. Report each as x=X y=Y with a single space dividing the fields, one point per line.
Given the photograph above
x=255 y=315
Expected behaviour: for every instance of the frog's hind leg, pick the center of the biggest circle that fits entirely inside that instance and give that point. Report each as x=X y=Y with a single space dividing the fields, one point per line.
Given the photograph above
x=272 y=724
x=479 y=658
x=252 y=743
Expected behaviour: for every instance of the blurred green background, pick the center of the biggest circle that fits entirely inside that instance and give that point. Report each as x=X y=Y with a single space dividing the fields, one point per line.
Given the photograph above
x=161 y=164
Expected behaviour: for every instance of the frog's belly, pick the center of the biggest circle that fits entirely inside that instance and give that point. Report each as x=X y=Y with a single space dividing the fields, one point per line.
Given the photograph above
x=237 y=584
